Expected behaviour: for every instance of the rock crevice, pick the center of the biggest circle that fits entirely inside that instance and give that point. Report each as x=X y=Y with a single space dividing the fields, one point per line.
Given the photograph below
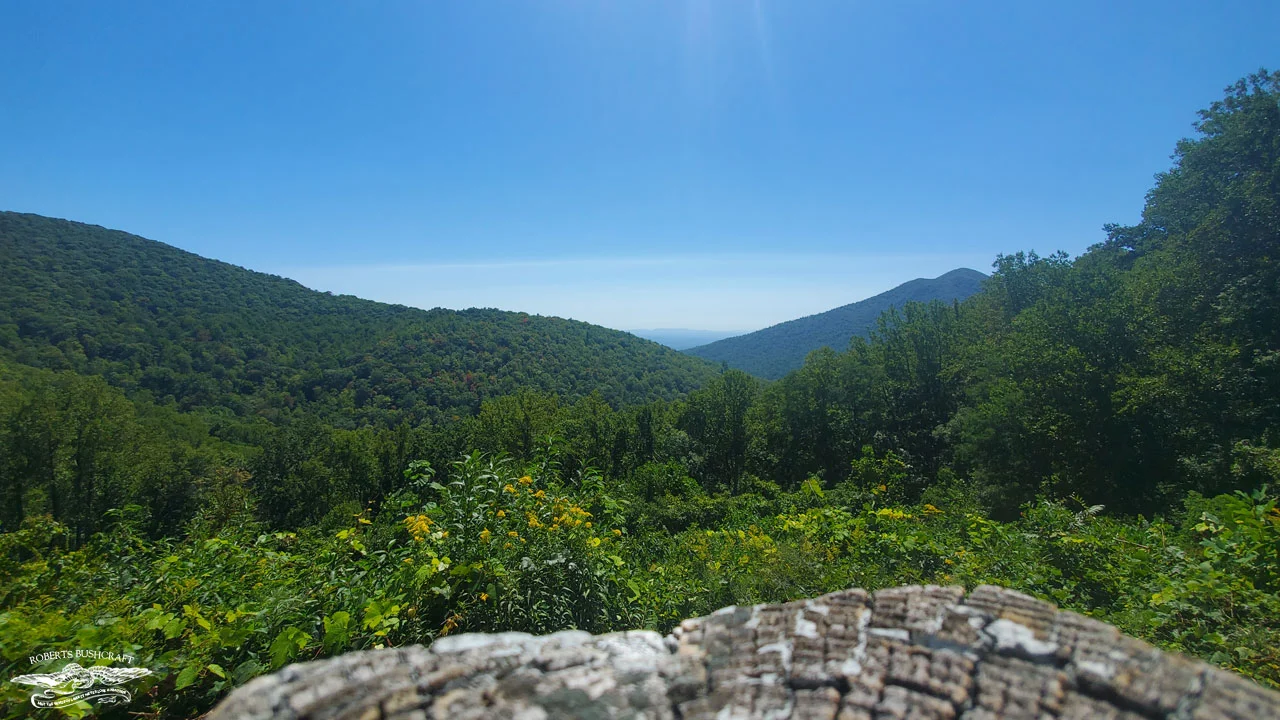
x=919 y=652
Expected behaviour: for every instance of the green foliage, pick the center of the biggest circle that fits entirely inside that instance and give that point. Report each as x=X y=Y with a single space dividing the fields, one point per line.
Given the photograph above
x=169 y=326
x=780 y=349
x=489 y=547
x=221 y=472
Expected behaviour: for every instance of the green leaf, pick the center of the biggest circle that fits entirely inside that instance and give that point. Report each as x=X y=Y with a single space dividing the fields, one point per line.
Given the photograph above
x=286 y=645
x=217 y=670
x=187 y=676
x=337 y=631
x=174 y=628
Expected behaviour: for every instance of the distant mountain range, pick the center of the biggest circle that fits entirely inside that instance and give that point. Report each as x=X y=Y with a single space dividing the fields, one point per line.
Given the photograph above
x=779 y=349
x=682 y=338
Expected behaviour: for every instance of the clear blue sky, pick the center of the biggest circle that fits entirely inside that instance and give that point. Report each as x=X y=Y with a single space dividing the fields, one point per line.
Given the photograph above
x=684 y=163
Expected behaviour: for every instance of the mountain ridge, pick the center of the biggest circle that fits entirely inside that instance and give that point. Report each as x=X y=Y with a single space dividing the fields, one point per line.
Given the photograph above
x=778 y=349
x=160 y=321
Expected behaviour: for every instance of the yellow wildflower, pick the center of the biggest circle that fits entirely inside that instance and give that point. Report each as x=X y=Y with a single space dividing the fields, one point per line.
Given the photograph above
x=541 y=495
x=502 y=513
x=512 y=533
x=450 y=624
x=931 y=509
x=508 y=488
x=417 y=525
x=617 y=532
x=526 y=480
x=485 y=535
x=588 y=524
x=484 y=597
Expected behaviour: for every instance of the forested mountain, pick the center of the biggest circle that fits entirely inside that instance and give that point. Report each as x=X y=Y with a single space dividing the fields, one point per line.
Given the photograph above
x=168 y=325
x=777 y=350
x=1102 y=432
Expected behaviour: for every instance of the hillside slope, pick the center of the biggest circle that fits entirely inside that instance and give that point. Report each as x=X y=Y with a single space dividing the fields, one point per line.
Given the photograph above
x=779 y=349
x=173 y=326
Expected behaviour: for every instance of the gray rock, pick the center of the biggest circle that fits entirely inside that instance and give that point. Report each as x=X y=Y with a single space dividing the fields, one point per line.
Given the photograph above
x=916 y=652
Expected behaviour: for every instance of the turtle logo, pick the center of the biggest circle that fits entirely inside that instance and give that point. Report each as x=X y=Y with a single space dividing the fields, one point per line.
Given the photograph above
x=74 y=683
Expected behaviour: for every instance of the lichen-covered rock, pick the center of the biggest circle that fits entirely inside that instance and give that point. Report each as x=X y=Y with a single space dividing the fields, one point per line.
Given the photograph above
x=913 y=652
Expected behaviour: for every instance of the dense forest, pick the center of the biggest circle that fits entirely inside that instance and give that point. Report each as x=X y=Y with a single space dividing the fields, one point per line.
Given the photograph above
x=779 y=349
x=1102 y=432
x=178 y=329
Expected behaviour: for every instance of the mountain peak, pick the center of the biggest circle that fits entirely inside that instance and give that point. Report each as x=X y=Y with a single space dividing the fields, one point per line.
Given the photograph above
x=779 y=349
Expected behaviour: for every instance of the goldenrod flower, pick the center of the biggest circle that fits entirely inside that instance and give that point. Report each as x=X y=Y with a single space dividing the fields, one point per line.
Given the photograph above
x=417 y=525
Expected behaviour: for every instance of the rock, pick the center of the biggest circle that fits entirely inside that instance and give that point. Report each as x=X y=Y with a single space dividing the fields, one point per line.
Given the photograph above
x=926 y=653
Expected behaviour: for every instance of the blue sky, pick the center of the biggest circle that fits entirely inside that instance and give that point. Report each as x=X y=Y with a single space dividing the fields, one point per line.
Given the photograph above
x=714 y=164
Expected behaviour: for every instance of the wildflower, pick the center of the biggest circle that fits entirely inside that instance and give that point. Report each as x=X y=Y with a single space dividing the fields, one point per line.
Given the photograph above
x=450 y=624
x=485 y=535
x=588 y=524
x=931 y=509
x=541 y=495
x=526 y=480
x=417 y=525
x=533 y=520
x=617 y=532
x=484 y=597
x=512 y=533
x=509 y=488
x=444 y=534
x=502 y=513
x=507 y=546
